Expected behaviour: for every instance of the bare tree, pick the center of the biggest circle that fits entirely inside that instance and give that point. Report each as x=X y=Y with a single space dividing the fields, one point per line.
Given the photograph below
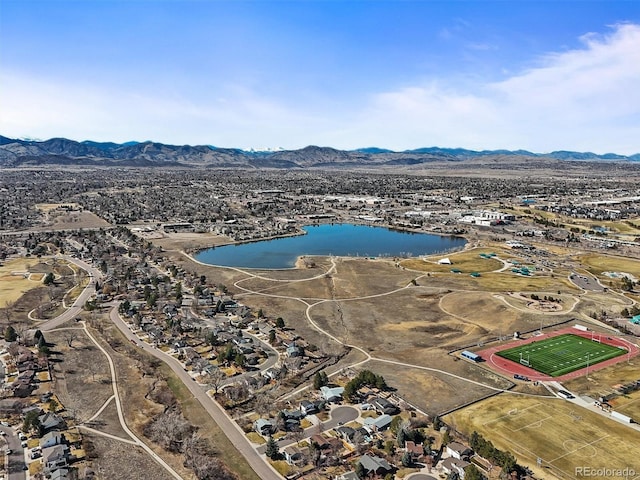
x=214 y=380
x=21 y=329
x=8 y=310
x=93 y=368
x=70 y=336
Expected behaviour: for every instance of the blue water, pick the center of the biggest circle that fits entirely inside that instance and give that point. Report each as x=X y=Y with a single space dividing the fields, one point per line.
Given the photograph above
x=339 y=240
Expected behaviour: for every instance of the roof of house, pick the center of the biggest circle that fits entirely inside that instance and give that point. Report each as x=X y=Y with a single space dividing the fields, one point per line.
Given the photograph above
x=449 y=463
x=349 y=476
x=379 y=422
x=50 y=420
x=458 y=447
x=60 y=474
x=329 y=393
x=51 y=454
x=320 y=440
x=373 y=464
x=53 y=435
x=414 y=448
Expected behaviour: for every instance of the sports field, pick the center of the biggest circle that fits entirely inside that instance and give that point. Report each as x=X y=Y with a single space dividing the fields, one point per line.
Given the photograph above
x=560 y=355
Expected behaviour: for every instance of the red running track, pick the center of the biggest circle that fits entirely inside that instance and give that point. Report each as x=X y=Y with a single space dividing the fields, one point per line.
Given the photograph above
x=507 y=367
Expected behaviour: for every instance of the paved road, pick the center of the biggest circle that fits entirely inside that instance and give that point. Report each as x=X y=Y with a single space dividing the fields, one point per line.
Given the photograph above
x=16 y=459
x=228 y=426
x=586 y=282
x=74 y=310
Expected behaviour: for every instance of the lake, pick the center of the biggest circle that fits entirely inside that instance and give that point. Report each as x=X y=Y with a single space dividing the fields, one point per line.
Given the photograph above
x=337 y=239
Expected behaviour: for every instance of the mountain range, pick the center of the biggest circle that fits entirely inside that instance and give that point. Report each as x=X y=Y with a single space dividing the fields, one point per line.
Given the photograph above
x=62 y=151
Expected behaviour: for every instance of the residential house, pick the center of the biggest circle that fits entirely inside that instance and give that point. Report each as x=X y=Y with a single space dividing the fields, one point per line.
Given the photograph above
x=50 y=421
x=295 y=350
x=308 y=407
x=332 y=394
x=346 y=433
x=294 y=456
x=264 y=426
x=55 y=457
x=349 y=476
x=416 y=450
x=375 y=465
x=451 y=465
x=320 y=441
x=382 y=405
x=459 y=451
x=379 y=423
x=51 y=439
x=64 y=474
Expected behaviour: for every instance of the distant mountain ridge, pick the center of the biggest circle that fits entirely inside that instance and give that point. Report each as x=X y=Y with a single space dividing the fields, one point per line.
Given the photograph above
x=62 y=151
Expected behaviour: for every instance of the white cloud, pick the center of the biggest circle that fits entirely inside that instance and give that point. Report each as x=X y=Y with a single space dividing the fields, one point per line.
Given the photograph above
x=231 y=117
x=583 y=99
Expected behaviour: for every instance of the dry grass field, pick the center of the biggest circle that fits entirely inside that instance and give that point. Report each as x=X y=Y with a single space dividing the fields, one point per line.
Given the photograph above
x=80 y=388
x=467 y=261
x=598 y=263
x=121 y=460
x=432 y=392
x=561 y=435
x=628 y=405
x=186 y=241
x=13 y=286
x=60 y=219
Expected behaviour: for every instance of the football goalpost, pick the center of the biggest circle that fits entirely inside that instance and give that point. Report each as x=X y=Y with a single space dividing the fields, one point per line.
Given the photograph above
x=525 y=361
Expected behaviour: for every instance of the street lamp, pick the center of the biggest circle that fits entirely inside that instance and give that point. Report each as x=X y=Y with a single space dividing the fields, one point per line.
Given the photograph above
x=588 y=358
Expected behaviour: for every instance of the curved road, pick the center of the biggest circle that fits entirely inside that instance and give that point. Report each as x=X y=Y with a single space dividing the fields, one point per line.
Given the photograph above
x=74 y=310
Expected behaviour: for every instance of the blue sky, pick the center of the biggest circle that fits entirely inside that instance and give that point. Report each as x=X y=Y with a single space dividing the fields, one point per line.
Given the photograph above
x=537 y=75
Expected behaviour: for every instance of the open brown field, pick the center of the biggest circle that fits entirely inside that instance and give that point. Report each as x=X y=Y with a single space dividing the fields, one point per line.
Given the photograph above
x=498 y=314
x=433 y=392
x=467 y=261
x=81 y=390
x=561 y=435
x=186 y=241
x=12 y=287
x=598 y=263
x=121 y=460
x=510 y=282
x=61 y=220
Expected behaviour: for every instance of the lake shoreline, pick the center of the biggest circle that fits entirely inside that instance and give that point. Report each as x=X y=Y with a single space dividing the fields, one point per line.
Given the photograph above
x=351 y=240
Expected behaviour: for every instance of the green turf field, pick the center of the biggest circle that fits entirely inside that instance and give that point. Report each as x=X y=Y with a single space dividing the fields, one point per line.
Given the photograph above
x=563 y=354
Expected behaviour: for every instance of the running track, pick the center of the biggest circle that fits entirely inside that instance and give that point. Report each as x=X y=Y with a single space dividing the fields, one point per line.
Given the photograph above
x=509 y=368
